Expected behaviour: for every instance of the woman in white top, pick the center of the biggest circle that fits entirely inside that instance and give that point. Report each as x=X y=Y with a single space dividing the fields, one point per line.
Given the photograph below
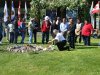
x=78 y=30
x=60 y=40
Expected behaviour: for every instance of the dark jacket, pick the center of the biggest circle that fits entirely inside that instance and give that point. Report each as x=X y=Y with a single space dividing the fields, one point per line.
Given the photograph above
x=72 y=30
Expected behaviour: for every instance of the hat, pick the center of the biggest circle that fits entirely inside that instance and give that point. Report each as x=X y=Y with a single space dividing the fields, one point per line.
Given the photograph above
x=46 y=18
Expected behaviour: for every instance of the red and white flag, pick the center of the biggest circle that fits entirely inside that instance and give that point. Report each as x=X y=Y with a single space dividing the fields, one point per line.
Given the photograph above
x=96 y=9
x=19 y=10
x=92 y=15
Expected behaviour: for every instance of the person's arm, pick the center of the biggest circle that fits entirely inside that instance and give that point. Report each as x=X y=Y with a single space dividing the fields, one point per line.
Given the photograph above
x=42 y=26
x=61 y=27
x=91 y=29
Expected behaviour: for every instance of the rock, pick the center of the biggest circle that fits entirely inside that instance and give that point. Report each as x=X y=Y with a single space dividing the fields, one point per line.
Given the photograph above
x=29 y=48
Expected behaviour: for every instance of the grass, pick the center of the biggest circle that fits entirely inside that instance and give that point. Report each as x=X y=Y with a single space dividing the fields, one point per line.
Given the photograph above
x=81 y=61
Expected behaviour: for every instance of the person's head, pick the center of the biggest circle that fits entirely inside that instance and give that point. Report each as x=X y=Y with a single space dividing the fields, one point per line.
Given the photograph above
x=20 y=19
x=46 y=18
x=71 y=21
x=12 y=12
x=55 y=31
x=86 y=21
x=23 y=20
x=78 y=21
x=32 y=19
x=54 y=21
x=64 y=20
x=58 y=18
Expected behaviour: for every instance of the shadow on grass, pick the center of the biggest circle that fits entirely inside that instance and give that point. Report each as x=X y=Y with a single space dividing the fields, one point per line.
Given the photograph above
x=94 y=44
x=3 y=51
x=87 y=47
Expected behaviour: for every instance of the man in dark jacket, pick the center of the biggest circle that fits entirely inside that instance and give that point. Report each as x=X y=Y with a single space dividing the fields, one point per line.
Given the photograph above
x=71 y=33
x=35 y=29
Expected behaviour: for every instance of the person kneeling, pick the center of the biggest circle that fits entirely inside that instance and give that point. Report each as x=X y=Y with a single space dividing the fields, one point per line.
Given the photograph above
x=59 y=40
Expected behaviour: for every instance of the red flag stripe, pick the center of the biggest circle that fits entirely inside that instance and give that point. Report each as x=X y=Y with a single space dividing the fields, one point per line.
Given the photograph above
x=96 y=9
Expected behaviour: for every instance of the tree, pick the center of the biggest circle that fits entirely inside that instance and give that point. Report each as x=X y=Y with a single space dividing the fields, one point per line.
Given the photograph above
x=82 y=5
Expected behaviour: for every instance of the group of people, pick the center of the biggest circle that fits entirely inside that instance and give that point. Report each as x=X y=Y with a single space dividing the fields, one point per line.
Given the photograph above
x=62 y=31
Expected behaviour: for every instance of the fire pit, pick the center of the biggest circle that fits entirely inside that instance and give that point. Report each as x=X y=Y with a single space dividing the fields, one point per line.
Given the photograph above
x=29 y=48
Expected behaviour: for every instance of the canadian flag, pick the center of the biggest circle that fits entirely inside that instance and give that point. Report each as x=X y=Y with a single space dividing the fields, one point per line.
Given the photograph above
x=96 y=9
x=19 y=13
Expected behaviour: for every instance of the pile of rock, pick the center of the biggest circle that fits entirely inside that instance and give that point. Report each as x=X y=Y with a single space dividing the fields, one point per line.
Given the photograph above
x=29 y=48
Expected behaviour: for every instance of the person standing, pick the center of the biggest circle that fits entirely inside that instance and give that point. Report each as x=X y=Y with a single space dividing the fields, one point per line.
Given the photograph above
x=71 y=33
x=54 y=26
x=30 y=31
x=1 y=30
x=35 y=29
x=87 y=30
x=22 y=29
x=11 y=32
x=6 y=32
x=16 y=33
x=64 y=27
x=45 y=29
x=78 y=31
x=58 y=23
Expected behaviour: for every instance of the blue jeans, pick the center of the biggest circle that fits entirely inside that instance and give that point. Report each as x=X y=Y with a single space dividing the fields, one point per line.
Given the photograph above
x=86 y=40
x=45 y=35
x=30 y=36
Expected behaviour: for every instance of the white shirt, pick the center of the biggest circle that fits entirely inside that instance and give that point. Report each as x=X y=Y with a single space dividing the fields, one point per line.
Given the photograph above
x=5 y=19
x=59 y=37
x=30 y=26
x=78 y=26
x=11 y=27
x=63 y=27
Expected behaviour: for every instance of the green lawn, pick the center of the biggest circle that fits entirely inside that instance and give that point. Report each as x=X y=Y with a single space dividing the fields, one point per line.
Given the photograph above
x=81 y=61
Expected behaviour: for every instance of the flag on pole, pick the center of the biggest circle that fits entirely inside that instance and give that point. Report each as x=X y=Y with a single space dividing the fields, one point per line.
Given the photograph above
x=96 y=8
x=92 y=16
x=5 y=12
x=25 y=11
x=12 y=12
x=19 y=10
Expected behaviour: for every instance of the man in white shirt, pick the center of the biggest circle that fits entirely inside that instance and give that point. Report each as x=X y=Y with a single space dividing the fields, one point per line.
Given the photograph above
x=60 y=40
x=64 y=27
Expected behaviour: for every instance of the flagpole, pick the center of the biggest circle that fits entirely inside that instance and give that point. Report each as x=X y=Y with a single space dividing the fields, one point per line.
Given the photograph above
x=99 y=22
x=10 y=8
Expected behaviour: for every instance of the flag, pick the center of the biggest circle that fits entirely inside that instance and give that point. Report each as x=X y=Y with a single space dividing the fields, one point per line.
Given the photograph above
x=91 y=8
x=5 y=12
x=92 y=16
x=12 y=12
x=19 y=11
x=25 y=11
x=96 y=9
